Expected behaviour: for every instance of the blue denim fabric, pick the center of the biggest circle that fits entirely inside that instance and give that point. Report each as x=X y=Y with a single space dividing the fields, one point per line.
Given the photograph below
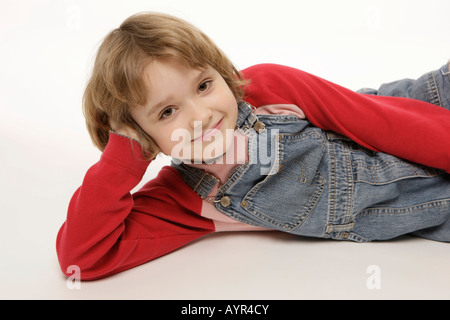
x=305 y=181
x=432 y=87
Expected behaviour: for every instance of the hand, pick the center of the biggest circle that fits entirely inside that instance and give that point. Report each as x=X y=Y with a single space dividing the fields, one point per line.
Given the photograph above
x=131 y=133
x=123 y=130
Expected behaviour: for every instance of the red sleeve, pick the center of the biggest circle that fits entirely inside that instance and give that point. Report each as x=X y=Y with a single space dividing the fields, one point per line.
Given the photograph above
x=413 y=130
x=109 y=230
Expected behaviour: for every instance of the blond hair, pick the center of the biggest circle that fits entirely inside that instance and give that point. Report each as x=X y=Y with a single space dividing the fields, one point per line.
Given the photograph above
x=116 y=84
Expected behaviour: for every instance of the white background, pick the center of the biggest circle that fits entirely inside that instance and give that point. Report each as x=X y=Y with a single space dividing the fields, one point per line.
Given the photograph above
x=46 y=52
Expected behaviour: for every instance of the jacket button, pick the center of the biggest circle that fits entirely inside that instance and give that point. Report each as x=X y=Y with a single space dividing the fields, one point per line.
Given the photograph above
x=259 y=126
x=225 y=201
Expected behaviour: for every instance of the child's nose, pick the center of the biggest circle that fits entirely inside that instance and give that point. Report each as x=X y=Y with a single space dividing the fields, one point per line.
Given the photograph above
x=200 y=113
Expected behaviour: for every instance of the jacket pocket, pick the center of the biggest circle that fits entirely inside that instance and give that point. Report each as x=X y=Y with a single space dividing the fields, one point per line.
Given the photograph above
x=285 y=199
x=379 y=168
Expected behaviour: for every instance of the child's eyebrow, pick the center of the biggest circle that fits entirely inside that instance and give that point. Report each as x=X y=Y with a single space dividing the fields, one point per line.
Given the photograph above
x=159 y=105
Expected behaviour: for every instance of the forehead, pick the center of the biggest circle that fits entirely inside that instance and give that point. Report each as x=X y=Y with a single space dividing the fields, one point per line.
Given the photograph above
x=158 y=74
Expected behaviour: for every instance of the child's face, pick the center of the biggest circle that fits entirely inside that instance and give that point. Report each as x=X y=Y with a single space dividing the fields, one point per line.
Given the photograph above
x=190 y=114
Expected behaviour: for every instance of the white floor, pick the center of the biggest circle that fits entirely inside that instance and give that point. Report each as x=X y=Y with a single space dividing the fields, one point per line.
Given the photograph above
x=251 y=266
x=46 y=49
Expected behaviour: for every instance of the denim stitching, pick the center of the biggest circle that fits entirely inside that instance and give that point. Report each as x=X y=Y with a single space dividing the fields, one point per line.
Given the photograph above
x=404 y=210
x=350 y=184
x=332 y=179
x=433 y=91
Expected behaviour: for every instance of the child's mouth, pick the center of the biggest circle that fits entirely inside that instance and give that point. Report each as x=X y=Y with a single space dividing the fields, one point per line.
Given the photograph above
x=209 y=133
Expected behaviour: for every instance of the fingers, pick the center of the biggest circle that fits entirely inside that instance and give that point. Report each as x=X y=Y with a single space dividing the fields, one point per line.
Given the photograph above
x=114 y=125
x=123 y=130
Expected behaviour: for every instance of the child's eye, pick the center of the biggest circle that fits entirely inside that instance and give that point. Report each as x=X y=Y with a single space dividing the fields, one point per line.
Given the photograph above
x=167 y=112
x=204 y=86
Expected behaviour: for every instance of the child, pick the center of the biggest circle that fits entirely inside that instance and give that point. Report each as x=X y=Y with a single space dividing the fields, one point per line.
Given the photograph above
x=266 y=148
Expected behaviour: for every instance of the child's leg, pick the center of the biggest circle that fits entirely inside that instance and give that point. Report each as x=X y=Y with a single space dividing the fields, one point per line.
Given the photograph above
x=432 y=87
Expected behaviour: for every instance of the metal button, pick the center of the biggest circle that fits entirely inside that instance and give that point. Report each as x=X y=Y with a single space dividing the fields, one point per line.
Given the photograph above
x=259 y=126
x=244 y=204
x=225 y=201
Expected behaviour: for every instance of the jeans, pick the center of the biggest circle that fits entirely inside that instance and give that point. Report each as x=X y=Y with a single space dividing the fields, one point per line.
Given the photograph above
x=432 y=87
x=320 y=184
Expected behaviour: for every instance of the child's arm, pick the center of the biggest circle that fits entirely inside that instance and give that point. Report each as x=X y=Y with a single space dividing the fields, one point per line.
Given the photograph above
x=414 y=130
x=108 y=230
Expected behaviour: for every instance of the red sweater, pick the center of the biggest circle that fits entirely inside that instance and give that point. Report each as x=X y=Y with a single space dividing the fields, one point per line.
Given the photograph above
x=109 y=230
